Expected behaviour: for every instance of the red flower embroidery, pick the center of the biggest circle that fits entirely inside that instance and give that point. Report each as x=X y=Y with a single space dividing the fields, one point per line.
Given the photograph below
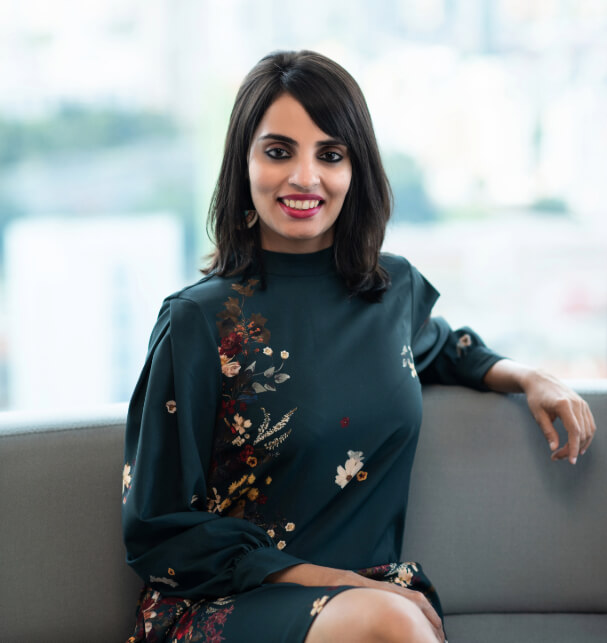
x=227 y=408
x=345 y=421
x=231 y=345
x=246 y=453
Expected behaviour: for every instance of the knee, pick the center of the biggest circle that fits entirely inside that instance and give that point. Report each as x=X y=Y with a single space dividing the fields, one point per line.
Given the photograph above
x=363 y=615
x=396 y=619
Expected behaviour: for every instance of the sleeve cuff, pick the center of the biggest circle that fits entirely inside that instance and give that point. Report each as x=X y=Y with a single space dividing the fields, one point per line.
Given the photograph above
x=253 y=568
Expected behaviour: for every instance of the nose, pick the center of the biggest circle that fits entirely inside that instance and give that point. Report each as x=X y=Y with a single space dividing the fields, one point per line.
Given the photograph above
x=305 y=174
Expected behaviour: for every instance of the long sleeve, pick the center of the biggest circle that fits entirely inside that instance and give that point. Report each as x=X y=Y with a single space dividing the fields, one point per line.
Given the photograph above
x=443 y=355
x=172 y=542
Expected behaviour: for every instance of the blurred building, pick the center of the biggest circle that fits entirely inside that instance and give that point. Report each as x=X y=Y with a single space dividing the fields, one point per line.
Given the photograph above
x=82 y=297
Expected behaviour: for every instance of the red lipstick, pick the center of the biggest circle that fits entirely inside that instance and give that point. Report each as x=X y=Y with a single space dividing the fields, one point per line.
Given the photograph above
x=300 y=214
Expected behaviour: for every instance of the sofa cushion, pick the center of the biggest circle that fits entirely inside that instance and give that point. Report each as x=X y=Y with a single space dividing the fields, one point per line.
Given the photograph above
x=530 y=628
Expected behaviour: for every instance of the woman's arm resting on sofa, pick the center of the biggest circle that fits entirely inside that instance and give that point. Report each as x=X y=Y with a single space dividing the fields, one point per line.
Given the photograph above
x=548 y=399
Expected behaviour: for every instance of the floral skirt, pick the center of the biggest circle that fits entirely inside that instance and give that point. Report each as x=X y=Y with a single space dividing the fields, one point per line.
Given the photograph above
x=271 y=613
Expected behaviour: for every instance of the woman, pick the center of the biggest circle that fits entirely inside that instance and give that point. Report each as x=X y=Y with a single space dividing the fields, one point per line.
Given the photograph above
x=271 y=435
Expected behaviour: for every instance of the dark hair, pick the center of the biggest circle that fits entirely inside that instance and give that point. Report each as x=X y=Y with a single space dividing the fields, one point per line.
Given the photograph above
x=335 y=103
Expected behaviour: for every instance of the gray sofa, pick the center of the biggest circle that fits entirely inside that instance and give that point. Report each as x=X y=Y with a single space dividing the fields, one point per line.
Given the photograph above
x=516 y=544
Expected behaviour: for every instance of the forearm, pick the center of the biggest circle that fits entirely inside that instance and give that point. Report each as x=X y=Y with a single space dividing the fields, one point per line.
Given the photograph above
x=507 y=376
x=315 y=575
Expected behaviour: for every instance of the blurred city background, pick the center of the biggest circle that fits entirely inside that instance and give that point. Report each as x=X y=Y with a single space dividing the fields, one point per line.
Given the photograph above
x=492 y=120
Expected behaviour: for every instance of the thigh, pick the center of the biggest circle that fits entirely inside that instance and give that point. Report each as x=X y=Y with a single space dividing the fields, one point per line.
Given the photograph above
x=273 y=613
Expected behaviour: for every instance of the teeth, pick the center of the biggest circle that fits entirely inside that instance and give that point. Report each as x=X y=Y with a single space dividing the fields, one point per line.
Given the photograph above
x=300 y=205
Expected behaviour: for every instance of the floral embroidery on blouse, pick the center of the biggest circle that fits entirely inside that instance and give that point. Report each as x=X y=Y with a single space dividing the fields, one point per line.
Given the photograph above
x=463 y=343
x=242 y=337
x=213 y=626
x=247 y=435
x=126 y=477
x=318 y=605
x=181 y=619
x=408 y=361
x=351 y=469
x=278 y=532
x=171 y=406
x=126 y=481
x=403 y=574
x=167 y=581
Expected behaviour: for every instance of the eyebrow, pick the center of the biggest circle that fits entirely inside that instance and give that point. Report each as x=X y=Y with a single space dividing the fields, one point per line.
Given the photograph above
x=292 y=141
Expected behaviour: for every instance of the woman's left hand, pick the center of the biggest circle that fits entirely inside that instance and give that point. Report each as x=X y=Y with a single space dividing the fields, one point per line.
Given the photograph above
x=549 y=399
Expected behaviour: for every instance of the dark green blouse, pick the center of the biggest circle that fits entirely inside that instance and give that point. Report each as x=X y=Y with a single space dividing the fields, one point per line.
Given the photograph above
x=276 y=426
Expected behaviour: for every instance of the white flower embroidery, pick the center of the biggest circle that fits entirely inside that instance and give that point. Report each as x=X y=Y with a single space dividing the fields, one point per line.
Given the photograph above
x=281 y=544
x=166 y=581
x=231 y=369
x=318 y=604
x=290 y=526
x=284 y=354
x=405 y=574
x=408 y=361
x=271 y=533
x=126 y=477
x=352 y=466
x=267 y=351
x=241 y=424
x=214 y=504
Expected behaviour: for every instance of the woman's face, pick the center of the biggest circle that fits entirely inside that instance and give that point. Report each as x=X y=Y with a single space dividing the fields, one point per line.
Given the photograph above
x=299 y=178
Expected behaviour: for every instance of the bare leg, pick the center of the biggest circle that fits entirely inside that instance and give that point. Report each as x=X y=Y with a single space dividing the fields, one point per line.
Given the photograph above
x=364 y=615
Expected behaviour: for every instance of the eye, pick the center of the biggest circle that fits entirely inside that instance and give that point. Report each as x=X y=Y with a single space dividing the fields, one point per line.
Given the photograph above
x=331 y=156
x=277 y=153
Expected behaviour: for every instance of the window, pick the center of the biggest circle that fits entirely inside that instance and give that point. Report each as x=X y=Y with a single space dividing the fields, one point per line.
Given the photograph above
x=490 y=119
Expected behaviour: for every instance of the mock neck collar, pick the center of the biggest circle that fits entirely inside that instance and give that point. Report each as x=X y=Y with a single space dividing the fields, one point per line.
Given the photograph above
x=312 y=263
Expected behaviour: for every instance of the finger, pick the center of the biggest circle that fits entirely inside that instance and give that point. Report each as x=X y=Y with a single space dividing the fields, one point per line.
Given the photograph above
x=543 y=419
x=572 y=426
x=591 y=428
x=561 y=454
x=430 y=613
x=435 y=622
x=422 y=602
x=424 y=605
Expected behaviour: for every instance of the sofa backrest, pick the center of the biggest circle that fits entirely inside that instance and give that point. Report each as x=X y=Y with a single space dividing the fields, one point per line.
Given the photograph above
x=64 y=578
x=496 y=524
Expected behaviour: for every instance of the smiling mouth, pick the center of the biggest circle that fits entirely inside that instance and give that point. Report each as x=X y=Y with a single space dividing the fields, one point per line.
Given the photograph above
x=308 y=204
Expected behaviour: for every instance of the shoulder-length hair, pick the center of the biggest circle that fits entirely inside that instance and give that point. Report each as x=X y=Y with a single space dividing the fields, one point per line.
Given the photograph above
x=336 y=104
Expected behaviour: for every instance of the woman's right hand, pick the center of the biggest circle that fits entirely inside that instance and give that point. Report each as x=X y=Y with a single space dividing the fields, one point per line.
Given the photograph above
x=411 y=595
x=317 y=575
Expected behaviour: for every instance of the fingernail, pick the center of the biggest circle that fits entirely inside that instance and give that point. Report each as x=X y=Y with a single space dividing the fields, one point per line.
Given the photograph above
x=553 y=445
x=573 y=460
x=584 y=451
